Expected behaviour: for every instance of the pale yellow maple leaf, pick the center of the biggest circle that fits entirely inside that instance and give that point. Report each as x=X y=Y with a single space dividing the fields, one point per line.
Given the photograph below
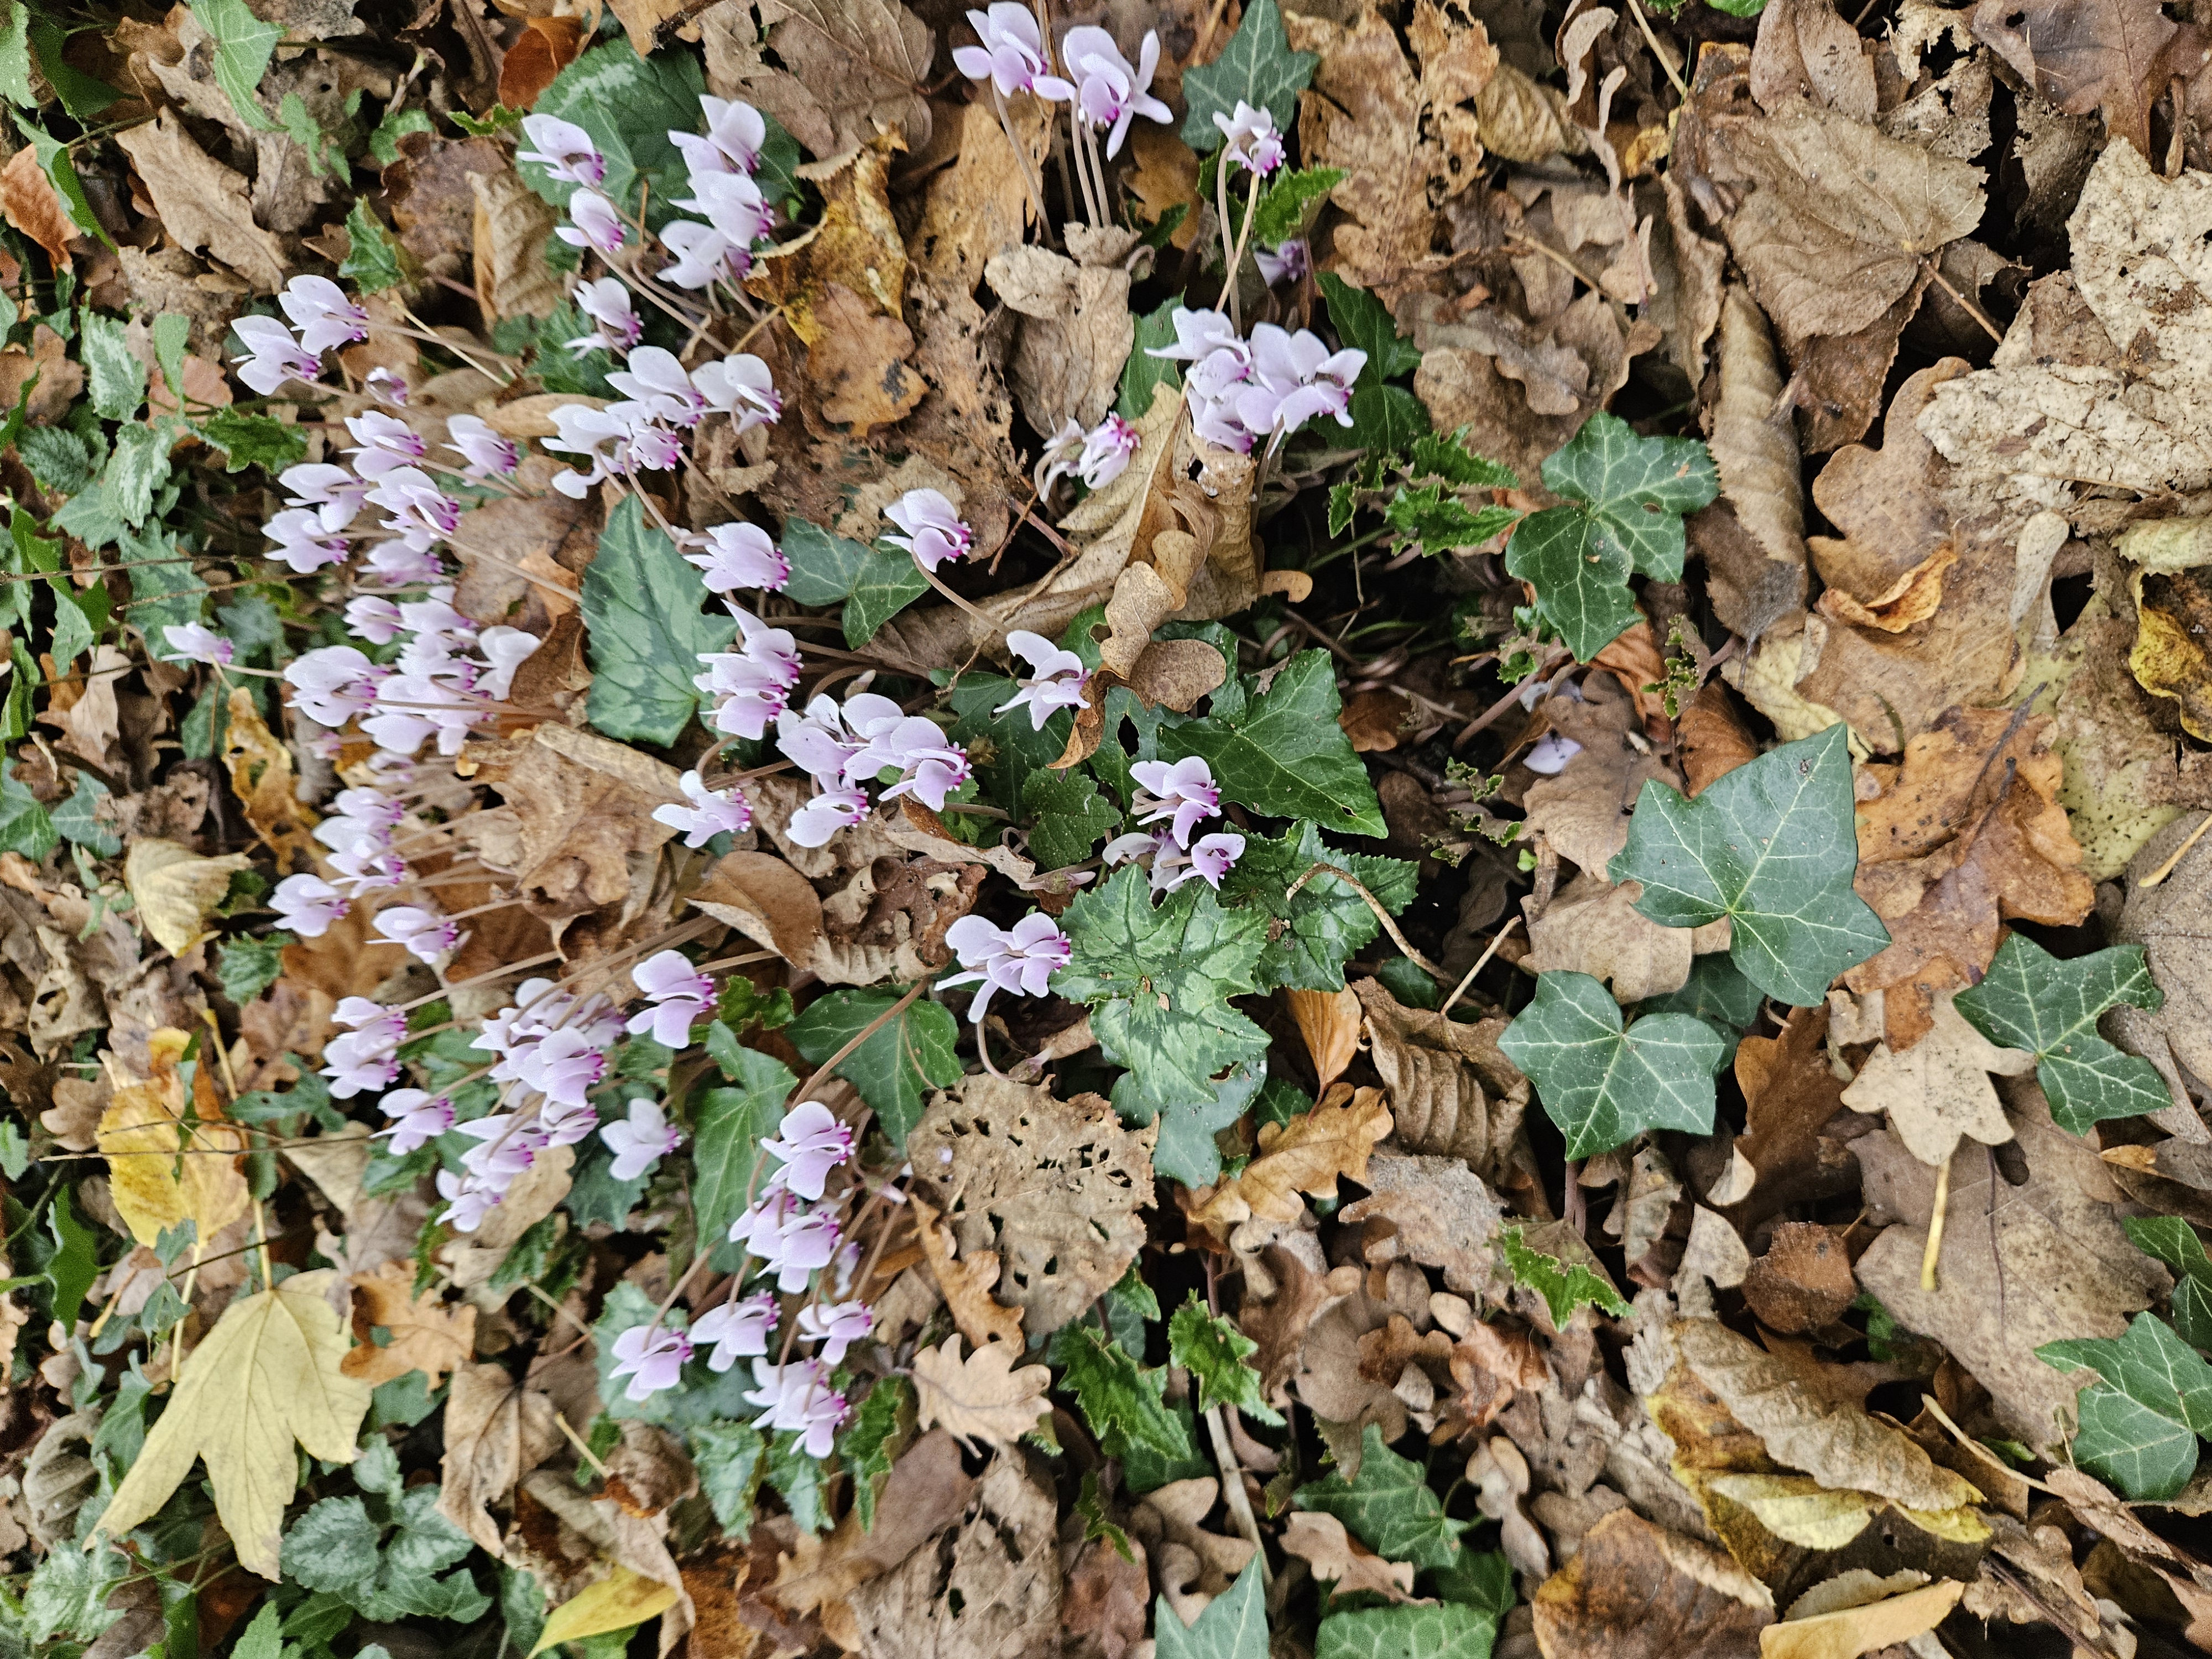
x=981 y=1396
x=174 y=888
x=164 y=1167
x=268 y=1375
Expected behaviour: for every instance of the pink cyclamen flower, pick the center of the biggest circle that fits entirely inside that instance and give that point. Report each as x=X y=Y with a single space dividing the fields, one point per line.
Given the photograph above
x=1209 y=859
x=797 y=1398
x=740 y=386
x=934 y=530
x=324 y=317
x=1106 y=450
x=191 y=642
x=805 y=1242
x=469 y=1200
x=425 y=934
x=563 y=1065
x=565 y=1124
x=373 y=618
x=1062 y=451
x=1012 y=57
x=737 y=1330
x=711 y=813
x=1250 y=139
x=1184 y=792
x=1019 y=960
x=1295 y=377
x=593 y=224
x=302 y=542
x=389 y=386
x=680 y=993
x=736 y=555
x=332 y=682
x=825 y=814
x=751 y=684
x=356 y=1065
x=334 y=491
x=418 y=1118
x=930 y=765
x=606 y=302
x=1108 y=92
x=307 y=905
x=811 y=1142
x=422 y=515
x=704 y=256
x=652 y=1360
x=488 y=453
x=836 y=1328
x=272 y=356
x=385 y=442
x=503 y=650
x=1287 y=262
x=564 y=149
x=731 y=205
x=735 y=134
x=656 y=378
x=1055 y=680
x=640 y=1141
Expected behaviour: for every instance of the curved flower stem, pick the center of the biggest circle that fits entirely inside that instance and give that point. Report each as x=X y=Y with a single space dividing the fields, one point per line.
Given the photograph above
x=1237 y=258
x=1389 y=924
x=1022 y=160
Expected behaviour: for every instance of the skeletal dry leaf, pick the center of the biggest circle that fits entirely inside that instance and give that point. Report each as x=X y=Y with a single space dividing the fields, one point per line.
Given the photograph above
x=419 y=1333
x=983 y=1397
x=966 y=1283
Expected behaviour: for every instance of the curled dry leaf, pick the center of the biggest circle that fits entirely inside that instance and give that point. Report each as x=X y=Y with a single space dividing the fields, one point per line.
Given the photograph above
x=1338 y=1559
x=1451 y=1091
x=420 y=1332
x=1306 y=1155
x=982 y=1397
x=1761 y=481
x=1638 y=1591
x=203 y=203
x=1328 y=1021
x=1803 y=1282
x=164 y=1168
x=175 y=889
x=28 y=199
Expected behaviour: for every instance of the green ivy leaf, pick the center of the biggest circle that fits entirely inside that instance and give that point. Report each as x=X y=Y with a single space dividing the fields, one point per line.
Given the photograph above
x=24 y=826
x=1257 y=67
x=1564 y=1284
x=640 y=604
x=875 y=583
x=2031 y=999
x=726 y=1129
x=1282 y=208
x=1435 y=456
x=374 y=261
x=1389 y=1506
x=384 y=142
x=1626 y=496
x=1365 y=322
x=1017 y=751
x=2159 y=1376
x=1141 y=374
x=1716 y=992
x=115 y=379
x=254 y=440
x=75 y=821
x=894 y=1069
x=1481 y=1579
x=1070 y=817
x=2174 y=1242
x=1313 y=934
x=628 y=104
x=1445 y=1631
x=1772 y=846
x=1159 y=980
x=1604 y=1085
x=1233 y=1625
x=1440 y=521
x=1118 y=1401
x=243 y=44
x=729 y=1457
x=1214 y=1352
x=245 y=967
x=1280 y=751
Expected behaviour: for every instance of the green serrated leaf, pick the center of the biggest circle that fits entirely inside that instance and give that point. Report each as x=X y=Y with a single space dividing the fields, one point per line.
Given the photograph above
x=254 y=440
x=1314 y=934
x=243 y=44
x=57 y=457
x=1187 y=1151
x=1129 y=1306
x=15 y=55
x=384 y=142
x=374 y=262
x=1280 y=752
x=74 y=1263
x=1365 y=322
x=1118 y=1400
x=1384 y=418
x=245 y=967
x=1440 y=522
x=726 y=1129
x=1159 y=980
x=1257 y=67
x=1343 y=502
x=1389 y=1506
x=1603 y=1084
x=640 y=604
x=138 y=468
x=2032 y=999
x=869 y=1444
x=894 y=1069
x=1772 y=846
x=1233 y=1625
x=1435 y=456
x=165 y=592
x=24 y=826
x=802 y=1481
x=1070 y=817
x=630 y=105
x=1214 y=1352
x=2174 y=1242
x=729 y=1457
x=1565 y=1285
x=115 y=379
x=1445 y=1631
x=1282 y=209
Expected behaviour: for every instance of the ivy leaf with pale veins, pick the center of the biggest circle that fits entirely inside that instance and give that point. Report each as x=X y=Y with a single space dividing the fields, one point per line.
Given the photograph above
x=875 y=583
x=1214 y=1352
x=1602 y=1084
x=1158 y=979
x=640 y=604
x=894 y=1069
x=1625 y=496
x=243 y=44
x=726 y=1127
x=2154 y=1375
x=2031 y=999
x=628 y=104
x=1442 y=1631
x=1325 y=922
x=1565 y=1285
x=1280 y=751
x=1257 y=67
x=1232 y=1626
x=1389 y=1506
x=2174 y=1242
x=1772 y=846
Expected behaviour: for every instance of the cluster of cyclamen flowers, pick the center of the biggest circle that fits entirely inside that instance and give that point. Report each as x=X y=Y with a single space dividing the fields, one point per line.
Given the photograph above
x=1243 y=393
x=1185 y=795
x=794 y=1230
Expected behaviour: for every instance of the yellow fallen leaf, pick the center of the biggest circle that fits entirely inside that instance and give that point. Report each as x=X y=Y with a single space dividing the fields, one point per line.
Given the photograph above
x=174 y=888
x=1854 y=1631
x=623 y=1598
x=268 y=1375
x=163 y=1167
x=981 y=1397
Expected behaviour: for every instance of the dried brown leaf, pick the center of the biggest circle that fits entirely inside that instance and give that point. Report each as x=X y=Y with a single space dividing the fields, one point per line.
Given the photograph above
x=1306 y=1155
x=203 y=203
x=982 y=1397
x=423 y=1334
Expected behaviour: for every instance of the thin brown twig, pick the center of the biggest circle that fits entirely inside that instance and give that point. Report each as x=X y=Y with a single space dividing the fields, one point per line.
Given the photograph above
x=1389 y=923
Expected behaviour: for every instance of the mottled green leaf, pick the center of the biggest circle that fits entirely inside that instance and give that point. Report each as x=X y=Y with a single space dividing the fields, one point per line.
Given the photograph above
x=1603 y=1084
x=640 y=604
x=24 y=826
x=1437 y=456
x=1316 y=932
x=630 y=105
x=115 y=379
x=1233 y=1625
x=1445 y=1631
x=1070 y=817
x=1283 y=205
x=875 y=583
x=2174 y=1242
x=243 y=44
